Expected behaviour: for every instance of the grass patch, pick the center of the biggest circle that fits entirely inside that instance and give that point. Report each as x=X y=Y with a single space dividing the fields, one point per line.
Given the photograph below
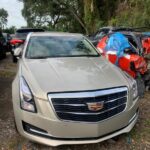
x=135 y=134
x=7 y=74
x=16 y=143
x=147 y=122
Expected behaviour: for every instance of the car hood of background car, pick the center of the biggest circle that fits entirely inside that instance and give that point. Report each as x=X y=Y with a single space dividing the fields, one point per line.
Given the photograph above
x=70 y=74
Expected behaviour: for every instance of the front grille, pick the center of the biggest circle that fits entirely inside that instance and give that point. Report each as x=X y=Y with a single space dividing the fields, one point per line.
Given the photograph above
x=74 y=106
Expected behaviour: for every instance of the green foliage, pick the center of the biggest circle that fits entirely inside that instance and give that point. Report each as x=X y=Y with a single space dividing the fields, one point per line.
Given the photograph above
x=90 y=15
x=54 y=14
x=3 y=17
x=132 y=13
x=85 y=16
x=10 y=30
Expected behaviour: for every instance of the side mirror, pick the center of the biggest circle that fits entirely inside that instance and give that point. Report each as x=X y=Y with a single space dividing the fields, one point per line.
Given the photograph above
x=17 y=54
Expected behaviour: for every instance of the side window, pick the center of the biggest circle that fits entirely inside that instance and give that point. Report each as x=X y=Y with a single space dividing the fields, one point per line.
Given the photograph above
x=131 y=40
x=101 y=33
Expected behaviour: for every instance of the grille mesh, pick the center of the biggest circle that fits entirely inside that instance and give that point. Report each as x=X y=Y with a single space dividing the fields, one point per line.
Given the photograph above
x=76 y=109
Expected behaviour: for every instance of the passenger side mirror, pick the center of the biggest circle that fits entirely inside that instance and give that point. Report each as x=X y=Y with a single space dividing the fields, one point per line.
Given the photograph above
x=17 y=54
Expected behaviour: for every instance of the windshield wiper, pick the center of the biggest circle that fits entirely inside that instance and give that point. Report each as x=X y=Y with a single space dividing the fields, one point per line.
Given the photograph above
x=39 y=57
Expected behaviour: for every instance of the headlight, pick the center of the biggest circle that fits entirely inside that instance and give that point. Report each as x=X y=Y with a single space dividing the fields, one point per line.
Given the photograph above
x=134 y=89
x=27 y=102
x=133 y=85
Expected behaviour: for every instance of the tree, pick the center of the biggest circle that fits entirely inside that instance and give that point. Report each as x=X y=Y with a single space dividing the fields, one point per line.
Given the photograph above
x=55 y=14
x=10 y=30
x=90 y=15
x=85 y=16
x=3 y=18
x=132 y=13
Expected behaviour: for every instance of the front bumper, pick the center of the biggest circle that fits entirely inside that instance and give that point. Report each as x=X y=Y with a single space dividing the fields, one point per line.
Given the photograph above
x=66 y=132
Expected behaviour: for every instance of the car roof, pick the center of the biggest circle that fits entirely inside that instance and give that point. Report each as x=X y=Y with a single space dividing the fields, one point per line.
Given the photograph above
x=29 y=29
x=54 y=34
x=111 y=28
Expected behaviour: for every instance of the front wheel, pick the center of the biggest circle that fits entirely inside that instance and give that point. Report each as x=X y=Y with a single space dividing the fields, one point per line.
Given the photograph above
x=140 y=86
x=14 y=59
x=4 y=55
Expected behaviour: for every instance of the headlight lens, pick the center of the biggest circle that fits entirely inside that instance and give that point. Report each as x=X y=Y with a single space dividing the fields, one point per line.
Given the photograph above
x=27 y=102
x=133 y=85
x=134 y=89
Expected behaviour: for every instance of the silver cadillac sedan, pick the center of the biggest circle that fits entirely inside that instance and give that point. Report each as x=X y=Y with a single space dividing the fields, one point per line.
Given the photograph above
x=65 y=92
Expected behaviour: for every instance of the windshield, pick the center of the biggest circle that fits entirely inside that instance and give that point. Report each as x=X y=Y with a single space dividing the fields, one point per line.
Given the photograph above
x=59 y=46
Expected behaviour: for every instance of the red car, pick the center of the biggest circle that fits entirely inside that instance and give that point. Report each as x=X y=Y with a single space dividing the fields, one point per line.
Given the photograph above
x=131 y=61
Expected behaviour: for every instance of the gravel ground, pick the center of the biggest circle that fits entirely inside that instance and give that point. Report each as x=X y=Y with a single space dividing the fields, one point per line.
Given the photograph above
x=137 y=139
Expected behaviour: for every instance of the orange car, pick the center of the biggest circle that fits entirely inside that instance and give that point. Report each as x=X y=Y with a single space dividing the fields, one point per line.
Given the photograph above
x=130 y=61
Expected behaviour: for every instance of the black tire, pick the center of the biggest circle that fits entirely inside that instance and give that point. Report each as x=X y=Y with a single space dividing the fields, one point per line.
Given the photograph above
x=140 y=86
x=146 y=78
x=12 y=53
x=14 y=59
x=1 y=56
x=4 y=55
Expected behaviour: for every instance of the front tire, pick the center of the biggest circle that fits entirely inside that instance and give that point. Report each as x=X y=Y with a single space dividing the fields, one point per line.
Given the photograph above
x=140 y=86
x=4 y=55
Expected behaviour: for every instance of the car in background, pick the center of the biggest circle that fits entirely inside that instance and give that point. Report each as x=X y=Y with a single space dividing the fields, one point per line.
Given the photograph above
x=94 y=38
x=20 y=37
x=110 y=29
x=132 y=59
x=7 y=45
x=2 y=46
x=65 y=92
x=21 y=34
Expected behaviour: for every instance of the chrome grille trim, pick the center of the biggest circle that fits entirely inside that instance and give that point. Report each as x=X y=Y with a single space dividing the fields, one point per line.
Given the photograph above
x=87 y=94
x=85 y=104
x=72 y=106
x=115 y=99
x=91 y=113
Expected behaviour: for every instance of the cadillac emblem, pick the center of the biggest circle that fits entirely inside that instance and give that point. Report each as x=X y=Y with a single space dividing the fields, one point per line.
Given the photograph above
x=95 y=106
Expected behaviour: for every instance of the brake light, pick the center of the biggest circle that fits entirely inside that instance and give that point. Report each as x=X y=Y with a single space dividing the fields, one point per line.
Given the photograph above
x=16 y=41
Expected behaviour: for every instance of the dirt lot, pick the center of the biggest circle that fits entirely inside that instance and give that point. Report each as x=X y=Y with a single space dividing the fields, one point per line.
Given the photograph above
x=138 y=138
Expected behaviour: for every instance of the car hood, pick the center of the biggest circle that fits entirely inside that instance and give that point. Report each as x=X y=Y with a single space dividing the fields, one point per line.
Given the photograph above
x=70 y=74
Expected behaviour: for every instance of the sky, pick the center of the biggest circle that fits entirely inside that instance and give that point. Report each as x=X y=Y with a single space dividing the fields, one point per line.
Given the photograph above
x=13 y=8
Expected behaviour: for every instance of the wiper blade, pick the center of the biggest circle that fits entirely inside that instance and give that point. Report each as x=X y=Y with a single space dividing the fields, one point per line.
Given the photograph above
x=39 y=57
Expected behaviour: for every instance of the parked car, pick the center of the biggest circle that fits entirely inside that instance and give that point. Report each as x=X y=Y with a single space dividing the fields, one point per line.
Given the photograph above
x=7 y=45
x=20 y=37
x=65 y=92
x=125 y=50
x=2 y=46
x=140 y=41
x=21 y=34
x=95 y=37
x=146 y=44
